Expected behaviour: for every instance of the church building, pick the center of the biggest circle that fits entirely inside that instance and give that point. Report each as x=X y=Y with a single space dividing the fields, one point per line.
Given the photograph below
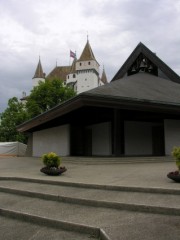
x=136 y=114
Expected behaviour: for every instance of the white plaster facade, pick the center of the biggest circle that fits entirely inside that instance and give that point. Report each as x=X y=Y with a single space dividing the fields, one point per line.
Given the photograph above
x=137 y=135
x=55 y=139
x=85 y=76
x=36 y=81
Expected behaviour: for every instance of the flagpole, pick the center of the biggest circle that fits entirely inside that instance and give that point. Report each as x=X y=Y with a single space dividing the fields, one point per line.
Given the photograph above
x=69 y=57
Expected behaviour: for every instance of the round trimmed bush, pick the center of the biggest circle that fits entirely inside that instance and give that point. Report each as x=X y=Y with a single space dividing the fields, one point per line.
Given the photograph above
x=51 y=160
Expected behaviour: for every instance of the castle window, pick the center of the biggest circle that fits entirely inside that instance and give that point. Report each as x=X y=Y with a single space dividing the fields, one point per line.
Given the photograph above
x=68 y=76
x=89 y=63
x=80 y=64
x=74 y=75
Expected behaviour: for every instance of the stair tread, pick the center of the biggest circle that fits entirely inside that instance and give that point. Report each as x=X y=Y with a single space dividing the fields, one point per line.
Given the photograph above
x=112 y=221
x=115 y=222
x=144 y=198
x=18 y=229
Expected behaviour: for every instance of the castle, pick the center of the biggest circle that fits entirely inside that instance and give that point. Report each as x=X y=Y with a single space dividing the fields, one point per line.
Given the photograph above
x=82 y=75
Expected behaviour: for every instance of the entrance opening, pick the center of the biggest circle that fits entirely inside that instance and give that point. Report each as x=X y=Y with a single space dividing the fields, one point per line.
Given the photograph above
x=158 y=148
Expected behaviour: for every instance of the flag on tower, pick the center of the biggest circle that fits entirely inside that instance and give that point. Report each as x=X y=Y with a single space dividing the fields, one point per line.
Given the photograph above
x=72 y=54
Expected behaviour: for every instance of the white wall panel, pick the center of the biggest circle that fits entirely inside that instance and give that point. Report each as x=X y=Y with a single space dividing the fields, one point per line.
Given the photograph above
x=52 y=140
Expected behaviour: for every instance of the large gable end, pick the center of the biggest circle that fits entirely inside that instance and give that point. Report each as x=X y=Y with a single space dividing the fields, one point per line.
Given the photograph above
x=144 y=60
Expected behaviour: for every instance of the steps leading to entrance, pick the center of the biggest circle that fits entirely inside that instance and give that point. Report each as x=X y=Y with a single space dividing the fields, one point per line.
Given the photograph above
x=90 y=209
x=116 y=160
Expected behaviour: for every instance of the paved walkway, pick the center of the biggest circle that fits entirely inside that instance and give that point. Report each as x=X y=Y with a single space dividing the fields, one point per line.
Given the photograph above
x=125 y=174
x=119 y=223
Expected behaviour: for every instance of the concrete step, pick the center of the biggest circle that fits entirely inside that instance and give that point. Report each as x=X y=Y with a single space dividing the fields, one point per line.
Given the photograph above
x=116 y=160
x=16 y=226
x=130 y=198
x=77 y=207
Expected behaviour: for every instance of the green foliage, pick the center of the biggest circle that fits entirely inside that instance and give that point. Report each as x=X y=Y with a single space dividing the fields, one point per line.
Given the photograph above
x=14 y=115
x=43 y=97
x=47 y=95
x=176 y=155
x=51 y=160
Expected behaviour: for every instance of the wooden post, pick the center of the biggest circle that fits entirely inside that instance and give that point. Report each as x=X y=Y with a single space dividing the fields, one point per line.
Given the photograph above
x=118 y=133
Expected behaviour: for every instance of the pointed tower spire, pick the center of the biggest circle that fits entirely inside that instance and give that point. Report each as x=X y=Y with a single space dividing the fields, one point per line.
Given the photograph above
x=87 y=53
x=103 y=77
x=39 y=75
x=39 y=71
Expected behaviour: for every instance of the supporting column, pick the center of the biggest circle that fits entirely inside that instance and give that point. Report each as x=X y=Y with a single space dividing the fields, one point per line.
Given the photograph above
x=118 y=133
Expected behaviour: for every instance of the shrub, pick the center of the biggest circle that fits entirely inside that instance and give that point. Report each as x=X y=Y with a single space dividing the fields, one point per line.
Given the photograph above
x=51 y=160
x=176 y=155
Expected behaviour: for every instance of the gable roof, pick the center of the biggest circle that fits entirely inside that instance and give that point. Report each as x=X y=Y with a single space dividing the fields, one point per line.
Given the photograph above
x=142 y=49
x=87 y=53
x=60 y=72
x=39 y=71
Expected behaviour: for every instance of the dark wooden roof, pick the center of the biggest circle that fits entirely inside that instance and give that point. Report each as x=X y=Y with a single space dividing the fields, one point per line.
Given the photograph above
x=141 y=87
x=142 y=49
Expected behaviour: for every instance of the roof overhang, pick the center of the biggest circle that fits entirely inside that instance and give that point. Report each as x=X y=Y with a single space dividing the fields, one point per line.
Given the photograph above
x=90 y=100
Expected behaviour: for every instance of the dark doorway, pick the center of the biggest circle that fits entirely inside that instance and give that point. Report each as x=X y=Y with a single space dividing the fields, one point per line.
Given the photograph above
x=158 y=148
x=76 y=143
x=81 y=141
x=88 y=142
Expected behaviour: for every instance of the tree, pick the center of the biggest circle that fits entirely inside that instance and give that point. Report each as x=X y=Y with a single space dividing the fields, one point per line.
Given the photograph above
x=47 y=95
x=14 y=115
x=43 y=97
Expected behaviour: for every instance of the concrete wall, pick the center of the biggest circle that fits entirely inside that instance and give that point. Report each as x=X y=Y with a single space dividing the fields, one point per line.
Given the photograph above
x=138 y=138
x=55 y=139
x=101 y=139
x=172 y=134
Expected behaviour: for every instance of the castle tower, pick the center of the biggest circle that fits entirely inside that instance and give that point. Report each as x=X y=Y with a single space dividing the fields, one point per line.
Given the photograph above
x=71 y=78
x=103 y=77
x=39 y=75
x=87 y=70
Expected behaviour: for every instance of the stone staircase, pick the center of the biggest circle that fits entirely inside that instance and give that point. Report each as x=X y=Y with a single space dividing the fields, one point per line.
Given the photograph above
x=65 y=210
x=116 y=160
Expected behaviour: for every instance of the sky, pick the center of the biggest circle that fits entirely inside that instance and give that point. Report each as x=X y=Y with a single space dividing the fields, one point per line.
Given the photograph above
x=50 y=29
